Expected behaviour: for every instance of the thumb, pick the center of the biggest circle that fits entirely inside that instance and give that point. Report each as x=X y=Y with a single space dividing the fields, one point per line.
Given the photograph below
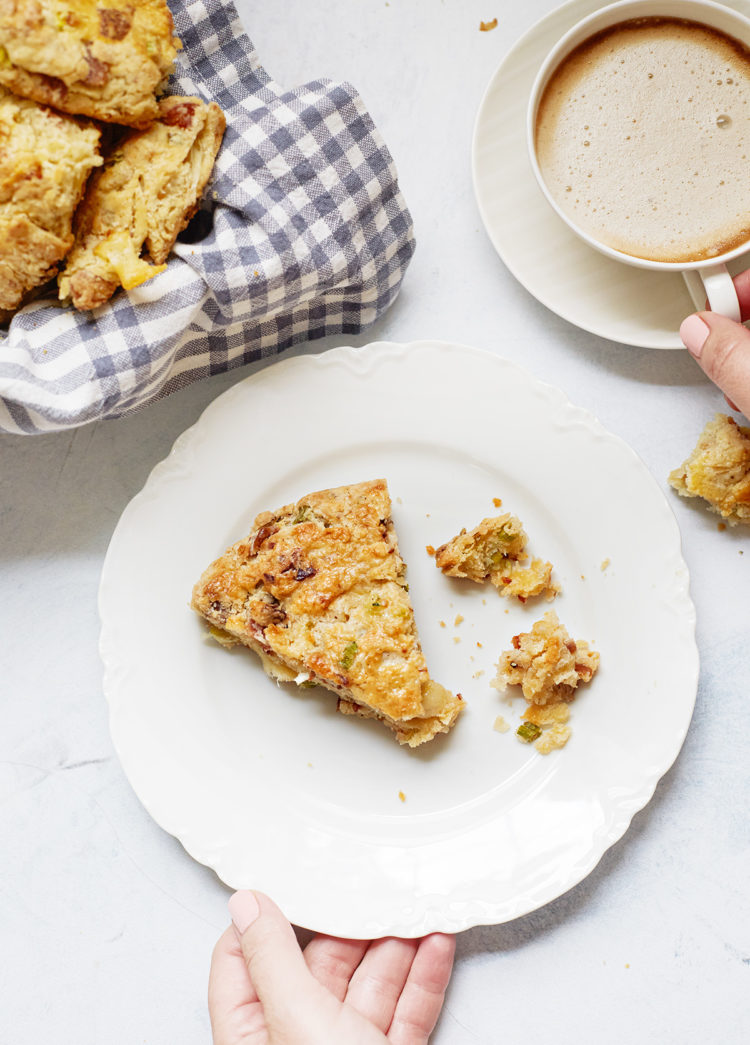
x=274 y=961
x=722 y=349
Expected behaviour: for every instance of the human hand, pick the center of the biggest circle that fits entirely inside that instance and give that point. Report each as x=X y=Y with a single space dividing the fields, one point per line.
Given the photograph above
x=722 y=347
x=263 y=990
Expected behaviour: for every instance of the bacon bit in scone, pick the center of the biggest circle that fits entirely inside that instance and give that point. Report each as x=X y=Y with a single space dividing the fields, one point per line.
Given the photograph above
x=114 y=24
x=516 y=642
x=263 y=534
x=485 y=27
x=179 y=115
x=98 y=73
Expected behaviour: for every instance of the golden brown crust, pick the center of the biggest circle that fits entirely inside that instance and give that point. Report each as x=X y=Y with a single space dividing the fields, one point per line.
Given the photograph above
x=135 y=207
x=101 y=59
x=45 y=159
x=718 y=470
x=495 y=551
x=319 y=588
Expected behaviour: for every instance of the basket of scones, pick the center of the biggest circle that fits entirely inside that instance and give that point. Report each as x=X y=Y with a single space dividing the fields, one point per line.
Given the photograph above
x=169 y=211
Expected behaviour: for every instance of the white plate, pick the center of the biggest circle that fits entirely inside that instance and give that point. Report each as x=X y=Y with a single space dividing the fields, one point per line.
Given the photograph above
x=271 y=787
x=620 y=302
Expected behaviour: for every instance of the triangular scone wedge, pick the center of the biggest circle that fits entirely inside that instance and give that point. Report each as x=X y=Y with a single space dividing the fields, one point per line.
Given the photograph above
x=318 y=589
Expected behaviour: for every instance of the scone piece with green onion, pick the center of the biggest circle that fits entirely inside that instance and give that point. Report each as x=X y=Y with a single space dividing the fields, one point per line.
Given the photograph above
x=718 y=470
x=138 y=203
x=45 y=159
x=495 y=551
x=318 y=589
x=549 y=666
x=100 y=58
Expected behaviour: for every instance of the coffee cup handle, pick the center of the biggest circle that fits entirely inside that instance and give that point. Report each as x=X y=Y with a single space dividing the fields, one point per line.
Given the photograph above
x=715 y=285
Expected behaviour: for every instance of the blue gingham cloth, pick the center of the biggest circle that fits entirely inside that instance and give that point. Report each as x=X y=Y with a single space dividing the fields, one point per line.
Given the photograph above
x=310 y=237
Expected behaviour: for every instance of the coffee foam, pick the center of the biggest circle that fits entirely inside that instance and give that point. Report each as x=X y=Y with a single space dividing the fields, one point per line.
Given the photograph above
x=643 y=139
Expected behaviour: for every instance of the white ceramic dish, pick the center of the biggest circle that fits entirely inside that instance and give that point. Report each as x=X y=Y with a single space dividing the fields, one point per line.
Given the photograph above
x=271 y=787
x=614 y=300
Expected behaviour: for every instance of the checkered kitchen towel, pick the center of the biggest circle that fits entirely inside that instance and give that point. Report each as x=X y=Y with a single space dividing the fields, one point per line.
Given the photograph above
x=310 y=237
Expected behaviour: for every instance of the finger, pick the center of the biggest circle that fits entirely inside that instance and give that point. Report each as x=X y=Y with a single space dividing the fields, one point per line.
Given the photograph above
x=377 y=983
x=332 y=962
x=742 y=286
x=422 y=998
x=273 y=959
x=233 y=1007
x=722 y=348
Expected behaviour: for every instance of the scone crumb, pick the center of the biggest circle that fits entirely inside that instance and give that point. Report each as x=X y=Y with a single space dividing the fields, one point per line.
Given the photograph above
x=553 y=739
x=458 y=620
x=402 y=796
x=549 y=666
x=497 y=501
x=500 y=725
x=456 y=638
x=479 y=645
x=429 y=549
x=604 y=565
x=485 y=27
x=478 y=674
x=442 y=623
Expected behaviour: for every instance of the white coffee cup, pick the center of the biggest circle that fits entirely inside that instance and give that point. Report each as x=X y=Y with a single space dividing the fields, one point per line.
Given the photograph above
x=707 y=278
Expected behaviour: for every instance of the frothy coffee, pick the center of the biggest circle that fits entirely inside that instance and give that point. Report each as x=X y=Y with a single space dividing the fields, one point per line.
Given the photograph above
x=643 y=139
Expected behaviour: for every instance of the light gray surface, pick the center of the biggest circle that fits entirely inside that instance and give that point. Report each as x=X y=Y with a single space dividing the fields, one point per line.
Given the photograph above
x=106 y=925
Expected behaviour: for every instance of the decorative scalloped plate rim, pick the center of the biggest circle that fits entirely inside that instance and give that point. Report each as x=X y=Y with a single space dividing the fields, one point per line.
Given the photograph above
x=352 y=834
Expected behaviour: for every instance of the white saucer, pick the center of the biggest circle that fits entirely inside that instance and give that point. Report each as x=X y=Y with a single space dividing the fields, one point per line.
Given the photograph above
x=625 y=304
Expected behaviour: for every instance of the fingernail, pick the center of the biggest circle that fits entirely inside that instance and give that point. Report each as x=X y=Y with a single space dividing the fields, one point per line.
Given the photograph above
x=694 y=333
x=243 y=909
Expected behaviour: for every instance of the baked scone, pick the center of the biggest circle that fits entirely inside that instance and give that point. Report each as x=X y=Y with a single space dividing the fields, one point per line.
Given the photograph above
x=546 y=663
x=318 y=589
x=138 y=203
x=495 y=550
x=104 y=60
x=718 y=470
x=45 y=159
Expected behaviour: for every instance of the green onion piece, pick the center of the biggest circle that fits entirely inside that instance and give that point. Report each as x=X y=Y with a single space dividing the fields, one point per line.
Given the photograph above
x=347 y=657
x=528 y=731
